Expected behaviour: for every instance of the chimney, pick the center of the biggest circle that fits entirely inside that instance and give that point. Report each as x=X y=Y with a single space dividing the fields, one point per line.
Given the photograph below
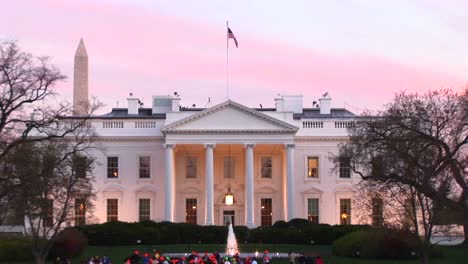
x=325 y=104
x=133 y=105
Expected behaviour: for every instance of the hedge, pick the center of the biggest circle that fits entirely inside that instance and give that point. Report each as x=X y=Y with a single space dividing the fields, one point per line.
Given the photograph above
x=379 y=243
x=296 y=231
x=15 y=248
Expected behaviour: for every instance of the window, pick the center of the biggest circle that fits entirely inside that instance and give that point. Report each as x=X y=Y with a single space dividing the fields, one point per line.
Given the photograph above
x=266 y=212
x=377 y=166
x=145 y=167
x=112 y=210
x=191 y=211
x=112 y=167
x=312 y=167
x=80 y=166
x=144 y=210
x=345 y=211
x=345 y=170
x=229 y=166
x=48 y=210
x=80 y=212
x=266 y=167
x=313 y=210
x=377 y=212
x=191 y=167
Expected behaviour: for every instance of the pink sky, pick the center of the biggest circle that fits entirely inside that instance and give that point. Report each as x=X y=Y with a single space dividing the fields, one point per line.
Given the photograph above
x=158 y=47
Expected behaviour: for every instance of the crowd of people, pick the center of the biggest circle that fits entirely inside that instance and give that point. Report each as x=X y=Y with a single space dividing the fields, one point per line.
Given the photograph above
x=156 y=257
x=193 y=258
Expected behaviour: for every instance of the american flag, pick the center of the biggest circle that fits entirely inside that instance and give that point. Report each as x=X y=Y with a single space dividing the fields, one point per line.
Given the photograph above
x=231 y=35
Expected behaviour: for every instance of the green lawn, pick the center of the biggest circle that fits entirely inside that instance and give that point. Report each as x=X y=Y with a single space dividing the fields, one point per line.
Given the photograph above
x=117 y=254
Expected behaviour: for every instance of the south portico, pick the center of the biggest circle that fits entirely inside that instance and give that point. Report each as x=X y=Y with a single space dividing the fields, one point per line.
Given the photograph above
x=229 y=133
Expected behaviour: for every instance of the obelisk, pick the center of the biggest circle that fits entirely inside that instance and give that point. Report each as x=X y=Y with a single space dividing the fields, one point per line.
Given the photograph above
x=80 y=81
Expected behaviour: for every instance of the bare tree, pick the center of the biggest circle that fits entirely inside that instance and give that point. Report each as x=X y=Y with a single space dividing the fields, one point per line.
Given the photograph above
x=419 y=142
x=28 y=108
x=53 y=186
x=404 y=209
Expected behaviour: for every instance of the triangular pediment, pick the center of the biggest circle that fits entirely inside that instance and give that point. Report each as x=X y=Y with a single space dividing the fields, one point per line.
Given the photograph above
x=230 y=117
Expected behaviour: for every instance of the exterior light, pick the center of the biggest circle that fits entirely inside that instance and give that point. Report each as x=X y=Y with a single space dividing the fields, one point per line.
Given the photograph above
x=194 y=207
x=344 y=216
x=229 y=197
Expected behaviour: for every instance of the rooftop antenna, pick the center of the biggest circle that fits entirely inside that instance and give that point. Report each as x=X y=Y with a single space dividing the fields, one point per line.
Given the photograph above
x=117 y=103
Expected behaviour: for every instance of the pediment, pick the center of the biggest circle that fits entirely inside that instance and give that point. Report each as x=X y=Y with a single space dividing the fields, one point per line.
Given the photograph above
x=229 y=117
x=312 y=190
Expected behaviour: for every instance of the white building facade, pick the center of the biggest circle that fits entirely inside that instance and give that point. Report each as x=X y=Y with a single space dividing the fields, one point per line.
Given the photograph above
x=168 y=163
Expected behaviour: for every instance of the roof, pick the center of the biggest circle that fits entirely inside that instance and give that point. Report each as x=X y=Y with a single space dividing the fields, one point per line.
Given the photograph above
x=334 y=113
x=122 y=113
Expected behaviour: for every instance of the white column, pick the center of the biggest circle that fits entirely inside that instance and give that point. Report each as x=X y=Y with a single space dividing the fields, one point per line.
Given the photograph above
x=249 y=186
x=290 y=181
x=169 y=184
x=209 y=204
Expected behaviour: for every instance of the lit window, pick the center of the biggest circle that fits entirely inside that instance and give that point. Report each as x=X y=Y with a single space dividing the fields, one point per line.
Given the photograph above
x=191 y=211
x=80 y=212
x=145 y=167
x=112 y=167
x=312 y=167
x=266 y=167
x=345 y=211
x=112 y=210
x=313 y=210
x=191 y=167
x=266 y=212
x=144 y=209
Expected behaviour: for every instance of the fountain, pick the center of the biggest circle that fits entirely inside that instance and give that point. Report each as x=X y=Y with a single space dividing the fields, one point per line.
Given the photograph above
x=231 y=245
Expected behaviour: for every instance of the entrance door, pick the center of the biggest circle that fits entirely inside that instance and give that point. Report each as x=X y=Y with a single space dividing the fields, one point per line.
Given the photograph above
x=228 y=217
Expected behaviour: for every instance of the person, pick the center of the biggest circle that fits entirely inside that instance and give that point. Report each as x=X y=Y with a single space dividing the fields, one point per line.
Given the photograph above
x=106 y=260
x=292 y=257
x=254 y=260
x=318 y=260
x=266 y=257
x=146 y=258
x=135 y=257
x=97 y=260
x=217 y=256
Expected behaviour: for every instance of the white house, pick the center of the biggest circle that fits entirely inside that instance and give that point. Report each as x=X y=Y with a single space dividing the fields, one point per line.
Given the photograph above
x=175 y=164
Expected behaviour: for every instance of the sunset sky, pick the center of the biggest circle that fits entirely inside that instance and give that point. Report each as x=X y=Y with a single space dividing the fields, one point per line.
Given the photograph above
x=359 y=51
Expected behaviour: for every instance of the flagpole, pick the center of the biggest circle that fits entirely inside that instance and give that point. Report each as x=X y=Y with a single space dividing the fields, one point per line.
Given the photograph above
x=227 y=61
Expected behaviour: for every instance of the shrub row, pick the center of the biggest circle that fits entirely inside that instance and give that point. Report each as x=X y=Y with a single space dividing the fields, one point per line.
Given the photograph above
x=15 y=248
x=379 y=243
x=69 y=243
x=297 y=231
